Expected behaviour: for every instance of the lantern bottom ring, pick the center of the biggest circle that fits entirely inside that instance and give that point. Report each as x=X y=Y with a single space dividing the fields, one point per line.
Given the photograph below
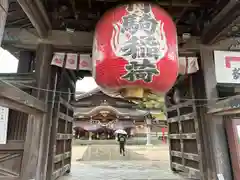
x=134 y=93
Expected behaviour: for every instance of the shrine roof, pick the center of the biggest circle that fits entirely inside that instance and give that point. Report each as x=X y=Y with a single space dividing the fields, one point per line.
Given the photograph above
x=87 y=94
x=99 y=90
x=118 y=111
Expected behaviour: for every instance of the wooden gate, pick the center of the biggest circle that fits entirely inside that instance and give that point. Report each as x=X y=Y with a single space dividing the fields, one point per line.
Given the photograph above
x=61 y=132
x=184 y=135
x=63 y=139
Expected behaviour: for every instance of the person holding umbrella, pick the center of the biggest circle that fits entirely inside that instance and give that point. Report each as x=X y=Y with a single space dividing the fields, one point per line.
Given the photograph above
x=121 y=137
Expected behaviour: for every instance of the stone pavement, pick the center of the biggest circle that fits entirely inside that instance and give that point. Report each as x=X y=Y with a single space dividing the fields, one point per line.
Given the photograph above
x=103 y=162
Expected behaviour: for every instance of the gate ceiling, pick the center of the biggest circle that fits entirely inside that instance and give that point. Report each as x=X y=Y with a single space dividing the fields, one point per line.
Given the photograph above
x=190 y=16
x=197 y=17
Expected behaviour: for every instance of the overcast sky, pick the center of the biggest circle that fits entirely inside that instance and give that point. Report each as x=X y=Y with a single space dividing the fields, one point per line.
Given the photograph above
x=8 y=64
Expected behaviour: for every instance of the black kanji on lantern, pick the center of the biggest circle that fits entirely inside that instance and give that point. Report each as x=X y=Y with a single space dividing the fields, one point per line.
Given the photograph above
x=143 y=47
x=133 y=22
x=148 y=24
x=236 y=73
x=141 y=25
x=140 y=71
x=145 y=7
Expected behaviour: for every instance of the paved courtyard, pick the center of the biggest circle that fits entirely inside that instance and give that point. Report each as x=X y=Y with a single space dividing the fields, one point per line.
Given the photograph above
x=103 y=162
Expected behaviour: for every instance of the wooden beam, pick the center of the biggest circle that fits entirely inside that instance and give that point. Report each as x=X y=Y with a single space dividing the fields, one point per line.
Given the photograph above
x=62 y=156
x=66 y=104
x=222 y=23
x=37 y=15
x=3 y=15
x=60 y=171
x=60 y=136
x=187 y=171
x=80 y=41
x=215 y=124
x=20 y=80
x=14 y=98
x=10 y=178
x=65 y=117
x=226 y=107
x=12 y=145
x=190 y=156
x=175 y=3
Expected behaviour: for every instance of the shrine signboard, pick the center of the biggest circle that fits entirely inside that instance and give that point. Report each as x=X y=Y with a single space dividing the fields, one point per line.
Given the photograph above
x=227 y=67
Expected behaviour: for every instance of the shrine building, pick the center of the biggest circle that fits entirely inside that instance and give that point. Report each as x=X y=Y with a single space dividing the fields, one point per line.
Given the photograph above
x=99 y=115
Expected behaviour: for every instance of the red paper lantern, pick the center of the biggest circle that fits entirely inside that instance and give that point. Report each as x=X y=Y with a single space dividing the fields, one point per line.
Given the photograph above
x=135 y=45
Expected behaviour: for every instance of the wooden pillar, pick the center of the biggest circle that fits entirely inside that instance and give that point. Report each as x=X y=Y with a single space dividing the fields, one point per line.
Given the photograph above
x=216 y=127
x=25 y=60
x=3 y=15
x=36 y=147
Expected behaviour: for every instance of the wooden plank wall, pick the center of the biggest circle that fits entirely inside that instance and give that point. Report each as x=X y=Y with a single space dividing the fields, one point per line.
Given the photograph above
x=11 y=154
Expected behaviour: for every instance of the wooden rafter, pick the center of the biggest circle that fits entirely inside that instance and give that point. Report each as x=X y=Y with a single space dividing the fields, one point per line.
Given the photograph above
x=37 y=15
x=222 y=22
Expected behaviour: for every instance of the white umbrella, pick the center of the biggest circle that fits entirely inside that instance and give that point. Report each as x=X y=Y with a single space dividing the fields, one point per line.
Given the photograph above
x=120 y=131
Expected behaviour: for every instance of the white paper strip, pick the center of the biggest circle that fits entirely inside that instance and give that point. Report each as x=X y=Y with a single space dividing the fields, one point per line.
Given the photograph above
x=85 y=62
x=3 y=124
x=58 y=59
x=182 y=65
x=188 y=65
x=220 y=176
x=192 y=65
x=71 y=61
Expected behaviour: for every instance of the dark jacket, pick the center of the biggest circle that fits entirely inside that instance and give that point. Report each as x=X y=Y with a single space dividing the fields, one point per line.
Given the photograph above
x=122 y=136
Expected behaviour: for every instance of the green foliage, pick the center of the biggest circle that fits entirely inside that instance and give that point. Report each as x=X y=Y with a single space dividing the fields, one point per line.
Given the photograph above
x=152 y=102
x=160 y=116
